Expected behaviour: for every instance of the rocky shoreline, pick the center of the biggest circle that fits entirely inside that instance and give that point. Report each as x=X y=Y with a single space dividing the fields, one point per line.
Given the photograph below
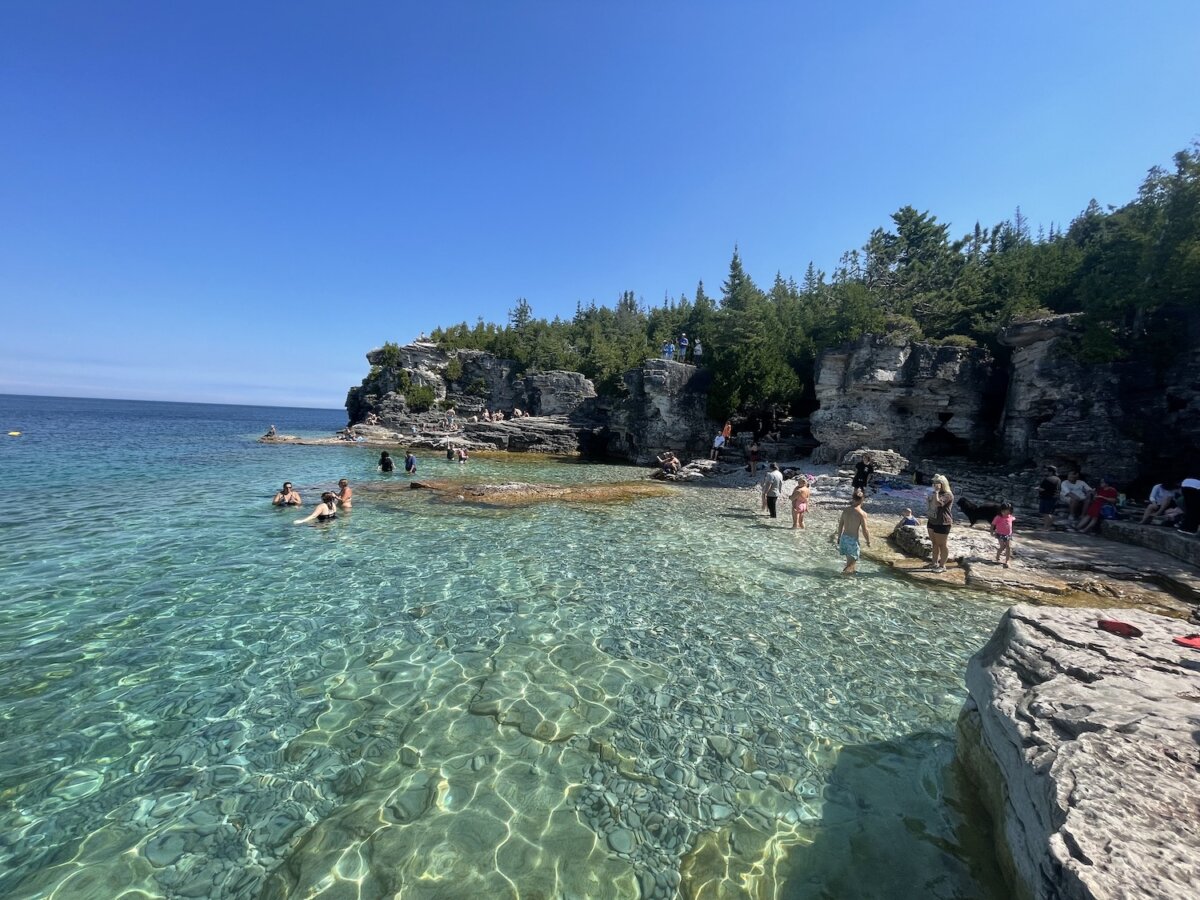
x=1082 y=744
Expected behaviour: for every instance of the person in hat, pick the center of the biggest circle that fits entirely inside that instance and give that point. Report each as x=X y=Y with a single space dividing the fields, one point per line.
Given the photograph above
x=1048 y=496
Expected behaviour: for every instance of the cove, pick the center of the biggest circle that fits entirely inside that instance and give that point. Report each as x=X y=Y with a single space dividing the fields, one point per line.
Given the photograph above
x=658 y=697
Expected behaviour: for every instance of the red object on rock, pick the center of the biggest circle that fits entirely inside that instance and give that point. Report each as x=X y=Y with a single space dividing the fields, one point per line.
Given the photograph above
x=1124 y=629
x=1192 y=640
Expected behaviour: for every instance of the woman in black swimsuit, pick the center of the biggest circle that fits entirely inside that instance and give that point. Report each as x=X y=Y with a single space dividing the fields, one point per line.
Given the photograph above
x=325 y=511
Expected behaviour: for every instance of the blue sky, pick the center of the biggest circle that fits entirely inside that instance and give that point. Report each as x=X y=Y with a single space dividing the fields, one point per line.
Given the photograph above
x=233 y=202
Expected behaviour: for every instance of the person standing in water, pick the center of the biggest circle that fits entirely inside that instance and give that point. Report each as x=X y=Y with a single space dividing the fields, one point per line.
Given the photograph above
x=385 y=462
x=344 y=494
x=287 y=496
x=800 y=503
x=326 y=510
x=772 y=487
x=852 y=526
x=410 y=463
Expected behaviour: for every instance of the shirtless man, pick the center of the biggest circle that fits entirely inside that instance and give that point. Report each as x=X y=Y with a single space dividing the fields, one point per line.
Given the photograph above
x=851 y=526
x=287 y=496
x=344 y=494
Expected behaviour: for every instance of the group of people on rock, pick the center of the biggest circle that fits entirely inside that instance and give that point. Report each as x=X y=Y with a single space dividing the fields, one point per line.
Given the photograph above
x=687 y=351
x=498 y=415
x=326 y=510
x=1087 y=506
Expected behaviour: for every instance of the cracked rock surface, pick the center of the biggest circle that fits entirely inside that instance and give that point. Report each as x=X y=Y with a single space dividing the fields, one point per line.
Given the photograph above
x=1086 y=747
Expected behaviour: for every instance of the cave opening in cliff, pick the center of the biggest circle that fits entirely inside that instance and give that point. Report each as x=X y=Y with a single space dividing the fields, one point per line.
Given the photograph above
x=940 y=442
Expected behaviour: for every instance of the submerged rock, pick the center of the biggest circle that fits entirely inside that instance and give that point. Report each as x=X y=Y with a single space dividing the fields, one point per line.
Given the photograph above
x=1083 y=745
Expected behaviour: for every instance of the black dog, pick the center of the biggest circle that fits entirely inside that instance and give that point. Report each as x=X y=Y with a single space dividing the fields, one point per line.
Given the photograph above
x=979 y=511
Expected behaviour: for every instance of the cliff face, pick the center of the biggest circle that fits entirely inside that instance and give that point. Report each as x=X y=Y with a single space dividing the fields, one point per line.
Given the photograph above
x=470 y=380
x=666 y=410
x=1126 y=418
x=1082 y=743
x=1060 y=410
x=917 y=399
x=665 y=407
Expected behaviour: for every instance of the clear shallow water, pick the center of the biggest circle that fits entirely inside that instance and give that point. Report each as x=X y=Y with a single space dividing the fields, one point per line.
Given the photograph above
x=198 y=698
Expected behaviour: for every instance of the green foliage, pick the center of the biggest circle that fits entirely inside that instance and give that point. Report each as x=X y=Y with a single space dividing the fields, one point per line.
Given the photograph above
x=957 y=340
x=478 y=388
x=454 y=370
x=388 y=355
x=419 y=397
x=1132 y=272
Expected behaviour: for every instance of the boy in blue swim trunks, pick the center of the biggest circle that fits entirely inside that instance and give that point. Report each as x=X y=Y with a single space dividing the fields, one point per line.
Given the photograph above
x=851 y=527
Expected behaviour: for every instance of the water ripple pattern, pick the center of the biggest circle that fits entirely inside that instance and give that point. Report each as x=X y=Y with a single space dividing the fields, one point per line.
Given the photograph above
x=422 y=699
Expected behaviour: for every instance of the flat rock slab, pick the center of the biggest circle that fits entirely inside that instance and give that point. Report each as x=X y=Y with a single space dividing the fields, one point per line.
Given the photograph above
x=1086 y=746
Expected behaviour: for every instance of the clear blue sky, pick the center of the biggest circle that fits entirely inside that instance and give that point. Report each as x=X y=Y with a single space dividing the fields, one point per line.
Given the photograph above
x=233 y=202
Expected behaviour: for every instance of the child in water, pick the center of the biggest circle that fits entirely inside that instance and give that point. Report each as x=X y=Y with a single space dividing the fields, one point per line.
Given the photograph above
x=1002 y=528
x=800 y=503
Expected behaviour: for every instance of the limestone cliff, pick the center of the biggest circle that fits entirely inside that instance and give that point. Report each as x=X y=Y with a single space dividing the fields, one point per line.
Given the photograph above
x=666 y=408
x=917 y=399
x=1083 y=744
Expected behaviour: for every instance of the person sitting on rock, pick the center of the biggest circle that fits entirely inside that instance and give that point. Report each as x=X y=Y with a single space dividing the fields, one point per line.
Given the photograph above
x=1075 y=492
x=1105 y=495
x=718 y=445
x=908 y=519
x=1162 y=497
x=270 y=432
x=670 y=462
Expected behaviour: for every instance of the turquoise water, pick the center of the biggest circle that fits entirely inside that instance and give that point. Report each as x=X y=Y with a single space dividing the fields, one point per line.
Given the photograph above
x=200 y=699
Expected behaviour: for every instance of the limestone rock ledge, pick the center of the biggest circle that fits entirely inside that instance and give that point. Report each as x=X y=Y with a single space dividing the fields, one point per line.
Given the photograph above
x=1086 y=747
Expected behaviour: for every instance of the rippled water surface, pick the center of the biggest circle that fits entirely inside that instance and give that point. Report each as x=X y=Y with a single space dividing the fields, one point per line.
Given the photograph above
x=200 y=699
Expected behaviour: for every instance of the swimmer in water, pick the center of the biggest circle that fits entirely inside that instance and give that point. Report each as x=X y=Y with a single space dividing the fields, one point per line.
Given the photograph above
x=326 y=510
x=287 y=496
x=344 y=494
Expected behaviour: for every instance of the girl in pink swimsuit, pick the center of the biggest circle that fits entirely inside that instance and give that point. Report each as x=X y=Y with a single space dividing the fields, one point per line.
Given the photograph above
x=799 y=504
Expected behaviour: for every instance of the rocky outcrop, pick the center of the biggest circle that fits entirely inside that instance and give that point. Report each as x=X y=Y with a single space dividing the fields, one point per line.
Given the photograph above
x=1083 y=745
x=1061 y=410
x=918 y=399
x=666 y=409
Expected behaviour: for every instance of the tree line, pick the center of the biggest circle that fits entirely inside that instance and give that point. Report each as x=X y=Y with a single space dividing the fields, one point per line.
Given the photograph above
x=1133 y=273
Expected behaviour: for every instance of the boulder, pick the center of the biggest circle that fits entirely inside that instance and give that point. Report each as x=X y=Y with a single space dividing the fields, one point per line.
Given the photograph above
x=1083 y=746
x=919 y=399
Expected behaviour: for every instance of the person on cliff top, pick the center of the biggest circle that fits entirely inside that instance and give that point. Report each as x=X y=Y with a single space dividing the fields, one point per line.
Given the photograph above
x=697 y=352
x=1075 y=492
x=410 y=463
x=940 y=509
x=385 y=462
x=287 y=496
x=852 y=527
x=772 y=487
x=1002 y=529
x=667 y=350
x=1102 y=506
x=345 y=496
x=1048 y=492
x=326 y=510
x=800 y=502
x=683 y=347
x=863 y=470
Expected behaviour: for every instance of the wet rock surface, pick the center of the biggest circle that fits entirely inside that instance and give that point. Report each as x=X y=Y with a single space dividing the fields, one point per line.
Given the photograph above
x=1084 y=745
